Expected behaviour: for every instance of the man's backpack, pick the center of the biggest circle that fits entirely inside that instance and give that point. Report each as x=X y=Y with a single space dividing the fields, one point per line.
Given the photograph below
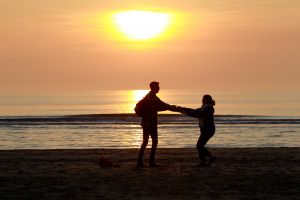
x=142 y=107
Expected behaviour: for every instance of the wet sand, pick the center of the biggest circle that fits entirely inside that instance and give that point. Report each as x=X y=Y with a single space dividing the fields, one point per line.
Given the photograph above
x=240 y=173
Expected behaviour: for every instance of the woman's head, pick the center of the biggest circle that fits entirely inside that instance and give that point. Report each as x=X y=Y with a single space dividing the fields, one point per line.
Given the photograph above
x=207 y=99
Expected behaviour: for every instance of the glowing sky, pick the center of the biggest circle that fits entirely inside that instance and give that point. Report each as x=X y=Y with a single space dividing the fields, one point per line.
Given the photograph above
x=55 y=45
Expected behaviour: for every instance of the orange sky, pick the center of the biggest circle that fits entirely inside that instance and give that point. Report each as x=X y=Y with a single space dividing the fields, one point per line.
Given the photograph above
x=64 y=46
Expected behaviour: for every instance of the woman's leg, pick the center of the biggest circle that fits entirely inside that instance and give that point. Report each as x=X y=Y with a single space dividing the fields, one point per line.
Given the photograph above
x=202 y=151
x=206 y=152
x=203 y=139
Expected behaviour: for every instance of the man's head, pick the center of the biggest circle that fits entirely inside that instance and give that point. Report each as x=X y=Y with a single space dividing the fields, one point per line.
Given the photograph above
x=154 y=86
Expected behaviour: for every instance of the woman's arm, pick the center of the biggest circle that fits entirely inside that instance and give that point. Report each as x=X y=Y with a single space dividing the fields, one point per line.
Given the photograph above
x=197 y=113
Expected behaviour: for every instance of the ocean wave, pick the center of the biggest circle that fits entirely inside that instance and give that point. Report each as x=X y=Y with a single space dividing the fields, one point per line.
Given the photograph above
x=133 y=119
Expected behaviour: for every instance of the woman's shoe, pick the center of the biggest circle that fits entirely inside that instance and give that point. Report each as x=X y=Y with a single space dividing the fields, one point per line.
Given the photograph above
x=140 y=164
x=202 y=164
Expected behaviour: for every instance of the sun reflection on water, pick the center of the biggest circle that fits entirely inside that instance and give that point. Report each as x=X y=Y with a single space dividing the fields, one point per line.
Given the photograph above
x=138 y=94
x=133 y=96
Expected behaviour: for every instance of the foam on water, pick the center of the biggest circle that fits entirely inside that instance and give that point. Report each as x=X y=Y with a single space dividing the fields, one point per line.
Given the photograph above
x=124 y=131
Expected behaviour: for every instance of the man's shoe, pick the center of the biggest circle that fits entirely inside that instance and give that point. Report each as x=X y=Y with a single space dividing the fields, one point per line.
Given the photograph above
x=141 y=165
x=211 y=160
x=153 y=165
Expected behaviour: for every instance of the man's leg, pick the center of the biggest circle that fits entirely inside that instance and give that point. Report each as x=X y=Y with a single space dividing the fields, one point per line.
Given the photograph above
x=154 y=137
x=143 y=146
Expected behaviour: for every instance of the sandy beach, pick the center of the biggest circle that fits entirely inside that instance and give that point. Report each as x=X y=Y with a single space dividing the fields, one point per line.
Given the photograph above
x=245 y=173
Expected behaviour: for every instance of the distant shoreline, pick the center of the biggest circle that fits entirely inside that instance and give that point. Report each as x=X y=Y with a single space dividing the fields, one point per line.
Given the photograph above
x=165 y=118
x=133 y=114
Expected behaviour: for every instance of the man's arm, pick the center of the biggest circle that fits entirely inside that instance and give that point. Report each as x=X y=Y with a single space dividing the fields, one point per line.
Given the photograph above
x=162 y=106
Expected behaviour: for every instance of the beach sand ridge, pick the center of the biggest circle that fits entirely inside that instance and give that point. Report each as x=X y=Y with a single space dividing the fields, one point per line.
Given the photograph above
x=238 y=173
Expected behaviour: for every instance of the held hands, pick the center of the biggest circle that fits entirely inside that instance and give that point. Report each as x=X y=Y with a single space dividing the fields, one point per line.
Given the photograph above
x=178 y=109
x=173 y=108
x=181 y=109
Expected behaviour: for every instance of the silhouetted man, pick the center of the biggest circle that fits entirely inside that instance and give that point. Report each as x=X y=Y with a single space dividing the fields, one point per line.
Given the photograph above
x=149 y=123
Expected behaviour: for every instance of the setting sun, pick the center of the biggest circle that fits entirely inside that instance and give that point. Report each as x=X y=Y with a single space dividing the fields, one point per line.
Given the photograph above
x=141 y=25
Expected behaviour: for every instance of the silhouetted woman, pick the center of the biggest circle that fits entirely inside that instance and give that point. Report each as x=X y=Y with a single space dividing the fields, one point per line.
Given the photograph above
x=205 y=114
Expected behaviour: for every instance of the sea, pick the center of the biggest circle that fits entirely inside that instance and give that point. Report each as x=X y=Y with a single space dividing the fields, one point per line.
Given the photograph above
x=105 y=119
